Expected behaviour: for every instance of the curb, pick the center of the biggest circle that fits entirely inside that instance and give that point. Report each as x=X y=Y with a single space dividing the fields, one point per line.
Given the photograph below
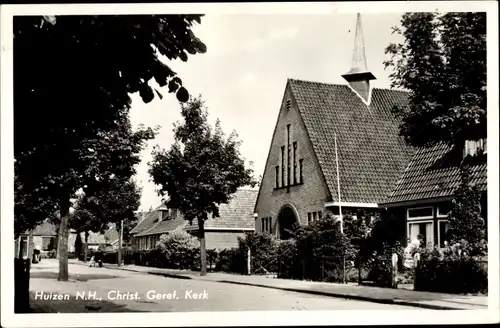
x=313 y=292
x=352 y=297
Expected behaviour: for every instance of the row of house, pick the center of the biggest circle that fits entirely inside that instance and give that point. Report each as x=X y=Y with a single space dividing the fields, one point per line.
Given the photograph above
x=45 y=237
x=235 y=218
x=336 y=149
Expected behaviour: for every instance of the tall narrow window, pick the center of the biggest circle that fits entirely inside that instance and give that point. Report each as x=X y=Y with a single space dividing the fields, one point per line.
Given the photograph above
x=262 y=224
x=314 y=216
x=282 y=166
x=270 y=225
x=295 y=162
x=288 y=155
x=277 y=176
x=300 y=169
x=309 y=218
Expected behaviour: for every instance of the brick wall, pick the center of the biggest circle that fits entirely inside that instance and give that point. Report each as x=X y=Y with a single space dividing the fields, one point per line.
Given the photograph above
x=307 y=197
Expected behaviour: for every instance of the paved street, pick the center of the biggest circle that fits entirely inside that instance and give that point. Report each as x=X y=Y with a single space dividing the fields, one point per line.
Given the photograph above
x=110 y=290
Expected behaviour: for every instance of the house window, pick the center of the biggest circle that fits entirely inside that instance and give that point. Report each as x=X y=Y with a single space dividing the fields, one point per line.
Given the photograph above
x=48 y=243
x=277 y=176
x=262 y=224
x=295 y=162
x=314 y=216
x=474 y=147
x=422 y=230
x=422 y=212
x=300 y=169
x=421 y=225
x=320 y=215
x=282 y=166
x=270 y=225
x=288 y=154
x=443 y=227
x=309 y=218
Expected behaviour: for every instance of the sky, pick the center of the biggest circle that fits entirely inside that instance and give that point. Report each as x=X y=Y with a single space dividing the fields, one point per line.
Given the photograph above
x=243 y=74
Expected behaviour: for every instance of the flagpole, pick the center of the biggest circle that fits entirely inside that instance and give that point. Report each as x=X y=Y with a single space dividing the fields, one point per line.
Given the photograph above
x=340 y=206
x=338 y=185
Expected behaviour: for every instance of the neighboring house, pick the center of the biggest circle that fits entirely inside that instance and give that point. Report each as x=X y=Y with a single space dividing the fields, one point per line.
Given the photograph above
x=422 y=196
x=157 y=222
x=326 y=136
x=44 y=236
x=234 y=220
x=329 y=136
x=95 y=240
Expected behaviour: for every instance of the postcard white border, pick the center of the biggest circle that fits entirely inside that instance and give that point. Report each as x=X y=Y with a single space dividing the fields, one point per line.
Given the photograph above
x=243 y=318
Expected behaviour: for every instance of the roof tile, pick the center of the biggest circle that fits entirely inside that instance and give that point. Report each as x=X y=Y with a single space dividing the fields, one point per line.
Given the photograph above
x=371 y=154
x=434 y=172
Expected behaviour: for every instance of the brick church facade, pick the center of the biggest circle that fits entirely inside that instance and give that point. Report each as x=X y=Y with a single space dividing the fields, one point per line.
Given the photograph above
x=336 y=149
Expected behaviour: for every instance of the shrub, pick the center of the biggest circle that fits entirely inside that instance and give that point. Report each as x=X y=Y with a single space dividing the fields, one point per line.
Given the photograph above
x=263 y=249
x=290 y=266
x=451 y=270
x=231 y=260
x=178 y=250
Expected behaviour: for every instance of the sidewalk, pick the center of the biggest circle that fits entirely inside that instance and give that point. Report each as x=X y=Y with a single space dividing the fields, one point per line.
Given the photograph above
x=426 y=300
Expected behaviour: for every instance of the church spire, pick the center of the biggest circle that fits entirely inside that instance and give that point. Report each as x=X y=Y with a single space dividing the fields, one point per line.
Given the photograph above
x=359 y=76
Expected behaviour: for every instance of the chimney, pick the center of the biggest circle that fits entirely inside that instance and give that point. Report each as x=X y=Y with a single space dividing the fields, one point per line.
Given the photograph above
x=359 y=76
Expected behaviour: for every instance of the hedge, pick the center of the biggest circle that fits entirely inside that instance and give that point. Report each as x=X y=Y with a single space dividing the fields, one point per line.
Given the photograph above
x=454 y=277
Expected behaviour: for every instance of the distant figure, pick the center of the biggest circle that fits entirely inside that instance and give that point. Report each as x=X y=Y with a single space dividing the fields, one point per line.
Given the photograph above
x=92 y=261
x=36 y=254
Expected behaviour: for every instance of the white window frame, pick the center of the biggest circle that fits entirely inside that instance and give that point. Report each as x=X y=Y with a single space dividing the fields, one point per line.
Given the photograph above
x=439 y=215
x=420 y=220
x=417 y=218
x=439 y=230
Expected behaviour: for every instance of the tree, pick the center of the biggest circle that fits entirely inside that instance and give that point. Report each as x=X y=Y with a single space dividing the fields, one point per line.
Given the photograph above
x=442 y=62
x=72 y=80
x=201 y=170
x=110 y=195
x=465 y=221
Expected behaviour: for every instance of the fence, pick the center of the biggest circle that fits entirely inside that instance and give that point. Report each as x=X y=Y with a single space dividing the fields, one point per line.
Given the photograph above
x=21 y=285
x=456 y=277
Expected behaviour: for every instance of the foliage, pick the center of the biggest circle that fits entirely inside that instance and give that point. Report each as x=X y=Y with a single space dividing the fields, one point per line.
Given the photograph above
x=231 y=260
x=201 y=170
x=465 y=221
x=112 y=257
x=263 y=249
x=442 y=61
x=179 y=249
x=86 y=67
x=451 y=270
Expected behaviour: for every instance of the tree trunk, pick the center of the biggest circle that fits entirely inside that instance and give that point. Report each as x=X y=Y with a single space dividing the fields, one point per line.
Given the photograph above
x=57 y=243
x=86 y=247
x=120 y=237
x=63 y=240
x=203 y=246
x=31 y=245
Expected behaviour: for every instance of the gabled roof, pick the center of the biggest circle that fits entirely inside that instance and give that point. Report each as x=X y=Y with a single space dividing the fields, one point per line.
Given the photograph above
x=164 y=226
x=371 y=154
x=434 y=172
x=45 y=229
x=148 y=222
x=237 y=214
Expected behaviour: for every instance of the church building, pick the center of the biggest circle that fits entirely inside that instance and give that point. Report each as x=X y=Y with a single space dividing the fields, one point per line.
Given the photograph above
x=335 y=147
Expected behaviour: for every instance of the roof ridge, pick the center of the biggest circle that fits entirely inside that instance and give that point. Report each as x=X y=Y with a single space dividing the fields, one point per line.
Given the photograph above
x=343 y=85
